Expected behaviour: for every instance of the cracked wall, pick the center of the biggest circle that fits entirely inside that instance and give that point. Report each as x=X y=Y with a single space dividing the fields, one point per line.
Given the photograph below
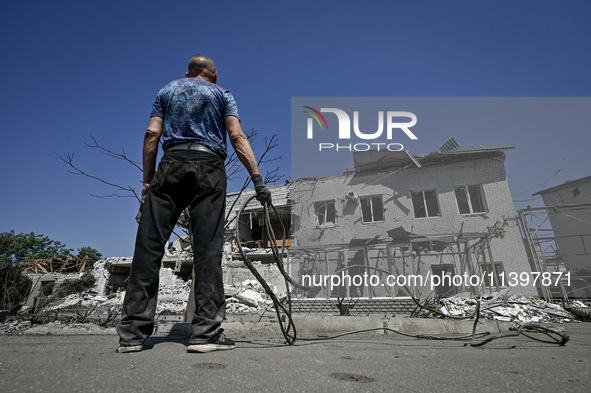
x=395 y=190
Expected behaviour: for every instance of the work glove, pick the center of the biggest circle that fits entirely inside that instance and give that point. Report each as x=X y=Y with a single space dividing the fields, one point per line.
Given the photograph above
x=263 y=192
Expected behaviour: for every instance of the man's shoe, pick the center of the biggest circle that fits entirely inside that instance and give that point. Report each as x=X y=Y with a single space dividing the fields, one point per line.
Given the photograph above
x=218 y=343
x=129 y=348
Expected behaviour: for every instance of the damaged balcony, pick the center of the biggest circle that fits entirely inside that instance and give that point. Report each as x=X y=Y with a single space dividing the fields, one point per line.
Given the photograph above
x=254 y=241
x=245 y=224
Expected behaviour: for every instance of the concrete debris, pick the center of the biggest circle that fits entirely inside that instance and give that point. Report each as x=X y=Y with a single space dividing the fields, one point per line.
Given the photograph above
x=171 y=305
x=247 y=296
x=103 y=302
x=580 y=309
x=171 y=284
x=231 y=290
x=233 y=305
x=14 y=326
x=99 y=304
x=252 y=298
x=251 y=294
x=578 y=303
x=505 y=307
x=101 y=276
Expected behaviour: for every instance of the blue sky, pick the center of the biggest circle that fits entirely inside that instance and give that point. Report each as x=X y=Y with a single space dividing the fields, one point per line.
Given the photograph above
x=75 y=69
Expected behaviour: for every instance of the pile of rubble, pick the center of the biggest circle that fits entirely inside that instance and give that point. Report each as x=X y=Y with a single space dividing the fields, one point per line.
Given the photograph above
x=509 y=308
x=248 y=296
x=173 y=292
x=99 y=304
x=580 y=309
x=15 y=326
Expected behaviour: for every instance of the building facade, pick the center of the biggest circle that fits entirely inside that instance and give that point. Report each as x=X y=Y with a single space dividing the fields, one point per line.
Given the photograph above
x=398 y=225
x=569 y=209
x=429 y=226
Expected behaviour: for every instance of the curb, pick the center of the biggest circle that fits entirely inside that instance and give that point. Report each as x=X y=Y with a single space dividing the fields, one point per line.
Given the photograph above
x=324 y=325
x=306 y=326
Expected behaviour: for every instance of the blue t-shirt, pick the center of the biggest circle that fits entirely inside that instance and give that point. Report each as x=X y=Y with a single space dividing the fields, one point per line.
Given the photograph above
x=193 y=111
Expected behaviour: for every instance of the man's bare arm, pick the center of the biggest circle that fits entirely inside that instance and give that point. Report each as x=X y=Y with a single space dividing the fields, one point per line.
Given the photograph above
x=150 y=154
x=246 y=156
x=241 y=145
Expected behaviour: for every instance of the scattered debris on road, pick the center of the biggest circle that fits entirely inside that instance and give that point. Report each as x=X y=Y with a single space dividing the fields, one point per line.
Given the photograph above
x=509 y=308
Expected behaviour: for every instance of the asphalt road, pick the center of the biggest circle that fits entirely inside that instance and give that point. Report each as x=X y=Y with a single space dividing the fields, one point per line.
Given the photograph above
x=262 y=363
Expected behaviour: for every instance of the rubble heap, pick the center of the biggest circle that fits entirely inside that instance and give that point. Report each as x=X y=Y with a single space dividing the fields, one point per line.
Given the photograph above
x=248 y=296
x=173 y=292
x=507 y=307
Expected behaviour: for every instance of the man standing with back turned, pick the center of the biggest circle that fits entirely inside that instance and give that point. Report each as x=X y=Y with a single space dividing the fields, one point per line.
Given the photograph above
x=192 y=115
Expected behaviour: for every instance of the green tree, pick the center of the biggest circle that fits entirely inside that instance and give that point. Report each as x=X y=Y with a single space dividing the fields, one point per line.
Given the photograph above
x=25 y=246
x=14 y=285
x=5 y=242
x=89 y=251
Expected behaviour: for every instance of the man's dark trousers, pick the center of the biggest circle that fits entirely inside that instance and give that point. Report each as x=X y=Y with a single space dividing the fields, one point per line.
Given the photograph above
x=185 y=178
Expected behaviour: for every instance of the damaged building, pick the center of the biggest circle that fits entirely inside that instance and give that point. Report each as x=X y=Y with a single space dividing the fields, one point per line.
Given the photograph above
x=565 y=246
x=445 y=214
x=568 y=207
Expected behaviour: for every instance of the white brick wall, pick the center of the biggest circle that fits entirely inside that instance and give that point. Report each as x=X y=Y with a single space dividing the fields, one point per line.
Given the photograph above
x=395 y=189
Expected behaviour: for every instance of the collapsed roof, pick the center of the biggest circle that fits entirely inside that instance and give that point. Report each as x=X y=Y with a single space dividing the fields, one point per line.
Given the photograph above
x=449 y=152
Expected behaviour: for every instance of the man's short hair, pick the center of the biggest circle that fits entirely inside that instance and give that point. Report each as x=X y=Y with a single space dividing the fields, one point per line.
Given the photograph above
x=199 y=63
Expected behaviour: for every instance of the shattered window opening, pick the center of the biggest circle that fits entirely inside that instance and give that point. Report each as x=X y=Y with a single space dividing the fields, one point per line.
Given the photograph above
x=325 y=213
x=446 y=287
x=251 y=224
x=470 y=199
x=425 y=204
x=487 y=270
x=372 y=209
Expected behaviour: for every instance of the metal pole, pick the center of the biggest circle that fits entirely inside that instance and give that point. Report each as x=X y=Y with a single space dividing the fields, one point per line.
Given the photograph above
x=534 y=252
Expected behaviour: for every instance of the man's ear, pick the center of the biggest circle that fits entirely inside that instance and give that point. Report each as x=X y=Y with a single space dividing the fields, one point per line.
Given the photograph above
x=186 y=75
x=215 y=77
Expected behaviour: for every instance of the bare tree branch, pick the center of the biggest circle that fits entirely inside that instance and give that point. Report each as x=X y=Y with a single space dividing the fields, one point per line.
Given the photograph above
x=111 y=153
x=68 y=159
x=112 y=195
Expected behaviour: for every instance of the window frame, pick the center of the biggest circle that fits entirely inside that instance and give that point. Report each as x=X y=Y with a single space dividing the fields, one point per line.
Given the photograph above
x=425 y=205
x=576 y=192
x=371 y=208
x=468 y=199
x=497 y=269
x=324 y=204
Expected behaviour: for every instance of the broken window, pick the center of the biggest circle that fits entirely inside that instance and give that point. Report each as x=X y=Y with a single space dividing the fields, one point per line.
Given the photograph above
x=252 y=227
x=372 y=209
x=445 y=272
x=470 y=199
x=425 y=203
x=487 y=269
x=325 y=213
x=576 y=192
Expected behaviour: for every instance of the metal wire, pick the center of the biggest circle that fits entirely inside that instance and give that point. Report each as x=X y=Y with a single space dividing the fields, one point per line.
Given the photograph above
x=289 y=330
